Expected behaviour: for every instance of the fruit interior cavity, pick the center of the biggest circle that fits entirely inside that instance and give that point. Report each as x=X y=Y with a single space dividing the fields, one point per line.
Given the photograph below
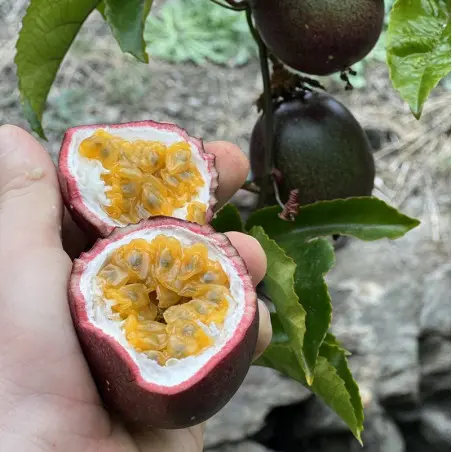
x=171 y=299
x=144 y=178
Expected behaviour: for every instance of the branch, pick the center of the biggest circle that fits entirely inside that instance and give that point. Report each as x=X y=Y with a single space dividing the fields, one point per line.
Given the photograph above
x=232 y=5
x=268 y=111
x=250 y=187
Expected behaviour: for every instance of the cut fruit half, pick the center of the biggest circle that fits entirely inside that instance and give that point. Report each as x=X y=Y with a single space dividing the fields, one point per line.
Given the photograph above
x=115 y=175
x=166 y=314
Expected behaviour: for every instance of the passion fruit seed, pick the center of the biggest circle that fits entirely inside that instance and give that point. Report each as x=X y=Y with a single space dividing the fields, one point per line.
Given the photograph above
x=145 y=178
x=163 y=293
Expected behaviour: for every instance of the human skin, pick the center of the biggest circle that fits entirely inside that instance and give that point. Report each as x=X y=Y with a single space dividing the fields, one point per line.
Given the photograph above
x=48 y=400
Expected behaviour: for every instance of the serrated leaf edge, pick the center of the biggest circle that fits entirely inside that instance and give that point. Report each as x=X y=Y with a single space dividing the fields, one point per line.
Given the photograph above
x=408 y=224
x=300 y=357
x=359 y=428
x=142 y=56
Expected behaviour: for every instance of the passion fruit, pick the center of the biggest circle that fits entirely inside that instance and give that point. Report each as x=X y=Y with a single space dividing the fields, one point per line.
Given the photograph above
x=319 y=147
x=319 y=37
x=166 y=314
x=115 y=175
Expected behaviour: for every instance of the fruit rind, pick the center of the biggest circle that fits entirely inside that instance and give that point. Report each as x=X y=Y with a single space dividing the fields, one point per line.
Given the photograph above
x=321 y=150
x=82 y=214
x=319 y=37
x=122 y=386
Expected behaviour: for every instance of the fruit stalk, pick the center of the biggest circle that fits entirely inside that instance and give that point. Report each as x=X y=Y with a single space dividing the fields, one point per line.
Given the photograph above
x=232 y=4
x=268 y=111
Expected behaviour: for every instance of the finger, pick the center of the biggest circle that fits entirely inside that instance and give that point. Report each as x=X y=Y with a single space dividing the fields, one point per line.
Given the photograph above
x=74 y=239
x=252 y=253
x=256 y=261
x=30 y=202
x=265 y=330
x=33 y=266
x=232 y=166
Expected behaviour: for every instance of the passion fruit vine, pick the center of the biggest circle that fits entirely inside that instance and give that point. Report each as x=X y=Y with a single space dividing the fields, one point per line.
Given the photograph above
x=319 y=147
x=115 y=175
x=319 y=37
x=166 y=314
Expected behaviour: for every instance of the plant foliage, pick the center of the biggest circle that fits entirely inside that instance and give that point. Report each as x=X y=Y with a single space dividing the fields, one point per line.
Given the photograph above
x=329 y=376
x=199 y=31
x=298 y=260
x=48 y=30
x=418 y=48
x=127 y=20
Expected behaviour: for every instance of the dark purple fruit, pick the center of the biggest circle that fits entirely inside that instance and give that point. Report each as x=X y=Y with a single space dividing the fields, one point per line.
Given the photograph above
x=166 y=314
x=319 y=37
x=320 y=149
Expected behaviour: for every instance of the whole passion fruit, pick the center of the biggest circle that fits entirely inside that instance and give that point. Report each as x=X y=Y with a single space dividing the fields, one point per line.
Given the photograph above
x=115 y=175
x=166 y=314
x=319 y=37
x=319 y=147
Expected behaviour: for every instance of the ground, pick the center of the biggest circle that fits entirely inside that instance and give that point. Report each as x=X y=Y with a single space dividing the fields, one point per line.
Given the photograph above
x=98 y=84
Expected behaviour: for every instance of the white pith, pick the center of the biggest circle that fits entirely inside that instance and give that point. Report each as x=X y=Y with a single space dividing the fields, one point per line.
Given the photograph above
x=87 y=171
x=175 y=371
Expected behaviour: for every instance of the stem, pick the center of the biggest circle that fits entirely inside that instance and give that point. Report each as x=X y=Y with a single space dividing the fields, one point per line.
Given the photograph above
x=268 y=111
x=250 y=187
x=231 y=4
x=242 y=5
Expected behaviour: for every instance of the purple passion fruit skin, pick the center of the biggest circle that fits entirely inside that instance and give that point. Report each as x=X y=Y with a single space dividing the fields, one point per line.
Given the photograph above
x=120 y=174
x=320 y=149
x=319 y=37
x=118 y=357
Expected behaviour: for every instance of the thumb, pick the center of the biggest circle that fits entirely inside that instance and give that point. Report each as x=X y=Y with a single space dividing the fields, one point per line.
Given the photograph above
x=30 y=201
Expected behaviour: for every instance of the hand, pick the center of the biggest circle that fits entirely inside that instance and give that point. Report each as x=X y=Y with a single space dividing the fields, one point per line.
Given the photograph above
x=48 y=400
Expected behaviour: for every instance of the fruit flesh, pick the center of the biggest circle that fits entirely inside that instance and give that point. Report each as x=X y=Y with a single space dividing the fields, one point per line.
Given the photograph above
x=185 y=392
x=146 y=178
x=166 y=296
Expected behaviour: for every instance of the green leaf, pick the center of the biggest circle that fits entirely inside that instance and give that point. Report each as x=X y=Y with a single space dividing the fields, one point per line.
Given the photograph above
x=282 y=358
x=313 y=260
x=364 y=218
x=336 y=355
x=279 y=282
x=321 y=363
x=279 y=335
x=127 y=20
x=333 y=382
x=418 y=48
x=334 y=391
x=330 y=339
x=227 y=219
x=101 y=9
x=48 y=29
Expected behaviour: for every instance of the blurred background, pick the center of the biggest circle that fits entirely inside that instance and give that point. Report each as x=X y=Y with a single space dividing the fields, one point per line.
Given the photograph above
x=391 y=300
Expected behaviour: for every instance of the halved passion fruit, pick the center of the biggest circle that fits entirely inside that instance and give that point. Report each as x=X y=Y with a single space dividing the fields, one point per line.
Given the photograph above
x=115 y=175
x=166 y=314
